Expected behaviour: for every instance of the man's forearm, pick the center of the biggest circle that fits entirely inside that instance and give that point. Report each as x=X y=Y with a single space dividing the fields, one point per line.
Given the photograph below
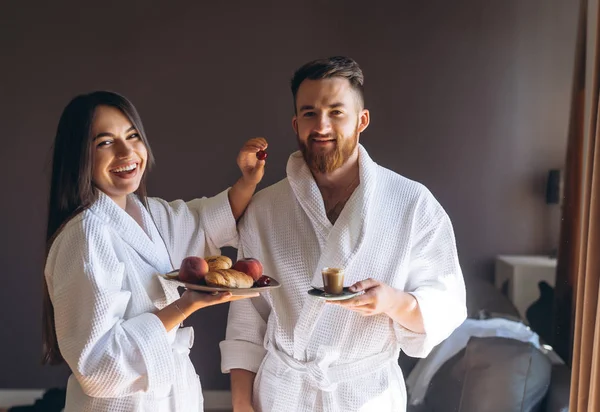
x=242 y=382
x=407 y=313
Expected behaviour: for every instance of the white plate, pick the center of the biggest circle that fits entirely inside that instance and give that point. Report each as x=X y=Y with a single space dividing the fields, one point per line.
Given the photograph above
x=321 y=294
x=234 y=291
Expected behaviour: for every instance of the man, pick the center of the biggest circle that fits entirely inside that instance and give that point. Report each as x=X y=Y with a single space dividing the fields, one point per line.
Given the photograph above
x=288 y=351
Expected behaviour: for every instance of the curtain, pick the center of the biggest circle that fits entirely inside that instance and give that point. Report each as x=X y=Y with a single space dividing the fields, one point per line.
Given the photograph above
x=577 y=306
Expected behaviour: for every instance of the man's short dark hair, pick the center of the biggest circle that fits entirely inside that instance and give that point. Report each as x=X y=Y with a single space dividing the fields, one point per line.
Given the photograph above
x=336 y=66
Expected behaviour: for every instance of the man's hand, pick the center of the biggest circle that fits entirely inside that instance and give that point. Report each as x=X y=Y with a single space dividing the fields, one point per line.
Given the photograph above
x=379 y=298
x=242 y=382
x=245 y=408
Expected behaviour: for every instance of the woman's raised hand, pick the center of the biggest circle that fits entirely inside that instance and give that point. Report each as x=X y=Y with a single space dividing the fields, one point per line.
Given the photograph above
x=252 y=168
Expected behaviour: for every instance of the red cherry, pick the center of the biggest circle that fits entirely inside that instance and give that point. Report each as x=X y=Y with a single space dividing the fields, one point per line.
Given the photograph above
x=263 y=281
x=261 y=155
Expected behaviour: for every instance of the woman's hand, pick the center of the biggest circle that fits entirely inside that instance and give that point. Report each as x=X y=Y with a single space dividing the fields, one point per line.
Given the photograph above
x=252 y=169
x=199 y=300
x=190 y=301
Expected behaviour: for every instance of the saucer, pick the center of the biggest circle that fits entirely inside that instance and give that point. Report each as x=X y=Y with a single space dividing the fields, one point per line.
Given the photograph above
x=321 y=294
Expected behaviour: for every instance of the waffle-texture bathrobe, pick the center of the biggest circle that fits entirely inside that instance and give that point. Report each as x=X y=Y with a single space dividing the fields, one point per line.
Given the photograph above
x=101 y=273
x=311 y=356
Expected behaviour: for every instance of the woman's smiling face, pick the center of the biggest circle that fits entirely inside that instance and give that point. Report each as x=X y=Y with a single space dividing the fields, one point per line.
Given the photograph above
x=119 y=154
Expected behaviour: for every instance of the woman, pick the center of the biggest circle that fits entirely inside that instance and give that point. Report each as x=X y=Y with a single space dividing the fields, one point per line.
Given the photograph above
x=107 y=314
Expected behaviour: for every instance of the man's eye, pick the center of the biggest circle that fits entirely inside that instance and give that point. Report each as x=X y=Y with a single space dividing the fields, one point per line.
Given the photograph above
x=309 y=114
x=336 y=112
x=134 y=136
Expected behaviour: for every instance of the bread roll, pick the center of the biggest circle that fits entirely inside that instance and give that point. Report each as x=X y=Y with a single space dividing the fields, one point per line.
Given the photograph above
x=218 y=262
x=228 y=278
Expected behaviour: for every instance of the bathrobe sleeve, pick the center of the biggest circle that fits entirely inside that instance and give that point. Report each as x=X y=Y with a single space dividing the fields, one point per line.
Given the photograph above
x=199 y=227
x=109 y=356
x=243 y=347
x=435 y=279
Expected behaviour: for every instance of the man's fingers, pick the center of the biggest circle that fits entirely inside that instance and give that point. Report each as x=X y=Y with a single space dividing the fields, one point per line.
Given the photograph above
x=364 y=310
x=364 y=285
x=361 y=300
x=364 y=299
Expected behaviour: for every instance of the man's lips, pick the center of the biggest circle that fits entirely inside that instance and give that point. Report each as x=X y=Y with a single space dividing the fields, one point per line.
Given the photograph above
x=322 y=140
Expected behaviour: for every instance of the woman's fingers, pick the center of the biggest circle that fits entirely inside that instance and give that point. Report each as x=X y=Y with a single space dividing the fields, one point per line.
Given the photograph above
x=255 y=144
x=204 y=299
x=223 y=297
x=240 y=297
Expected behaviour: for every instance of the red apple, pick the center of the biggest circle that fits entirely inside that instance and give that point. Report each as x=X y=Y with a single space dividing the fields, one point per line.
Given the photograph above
x=193 y=269
x=250 y=266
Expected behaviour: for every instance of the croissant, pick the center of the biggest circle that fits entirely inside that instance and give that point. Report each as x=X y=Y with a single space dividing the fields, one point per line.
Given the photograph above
x=228 y=278
x=218 y=262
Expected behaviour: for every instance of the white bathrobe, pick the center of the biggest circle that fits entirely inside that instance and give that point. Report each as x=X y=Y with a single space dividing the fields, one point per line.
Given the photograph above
x=311 y=356
x=101 y=273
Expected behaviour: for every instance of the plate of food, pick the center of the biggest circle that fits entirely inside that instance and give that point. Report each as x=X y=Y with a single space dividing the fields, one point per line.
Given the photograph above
x=219 y=274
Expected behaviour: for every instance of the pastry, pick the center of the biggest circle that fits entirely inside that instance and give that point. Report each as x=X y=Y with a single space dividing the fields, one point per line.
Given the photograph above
x=218 y=262
x=228 y=278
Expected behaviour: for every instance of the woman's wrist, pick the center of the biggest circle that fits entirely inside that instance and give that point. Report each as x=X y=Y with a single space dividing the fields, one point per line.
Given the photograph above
x=181 y=312
x=245 y=184
x=186 y=305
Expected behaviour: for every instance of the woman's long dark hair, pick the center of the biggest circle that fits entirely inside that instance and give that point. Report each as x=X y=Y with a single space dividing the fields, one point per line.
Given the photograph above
x=71 y=187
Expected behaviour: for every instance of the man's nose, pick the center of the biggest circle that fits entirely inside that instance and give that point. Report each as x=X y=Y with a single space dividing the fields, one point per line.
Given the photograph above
x=323 y=125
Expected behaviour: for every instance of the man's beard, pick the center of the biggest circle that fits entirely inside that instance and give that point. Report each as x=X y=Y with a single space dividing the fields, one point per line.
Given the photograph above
x=327 y=162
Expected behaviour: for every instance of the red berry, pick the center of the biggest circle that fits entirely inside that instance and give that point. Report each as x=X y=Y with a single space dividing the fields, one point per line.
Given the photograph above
x=261 y=155
x=263 y=281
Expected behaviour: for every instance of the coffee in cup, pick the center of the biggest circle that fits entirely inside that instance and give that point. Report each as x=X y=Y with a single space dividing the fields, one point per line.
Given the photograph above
x=333 y=280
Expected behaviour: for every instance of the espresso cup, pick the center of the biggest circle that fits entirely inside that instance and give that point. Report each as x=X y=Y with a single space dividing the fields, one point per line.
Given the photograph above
x=333 y=280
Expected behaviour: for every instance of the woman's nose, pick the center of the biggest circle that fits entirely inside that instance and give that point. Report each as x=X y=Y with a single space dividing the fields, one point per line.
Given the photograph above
x=124 y=149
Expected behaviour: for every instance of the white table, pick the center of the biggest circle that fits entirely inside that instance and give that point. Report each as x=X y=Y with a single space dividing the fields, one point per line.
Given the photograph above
x=522 y=274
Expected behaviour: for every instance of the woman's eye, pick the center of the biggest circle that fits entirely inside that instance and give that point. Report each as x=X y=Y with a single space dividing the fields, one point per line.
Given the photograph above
x=134 y=136
x=104 y=143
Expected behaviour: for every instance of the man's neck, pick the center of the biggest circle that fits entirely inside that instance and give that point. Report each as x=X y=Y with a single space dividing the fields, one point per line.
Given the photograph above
x=340 y=178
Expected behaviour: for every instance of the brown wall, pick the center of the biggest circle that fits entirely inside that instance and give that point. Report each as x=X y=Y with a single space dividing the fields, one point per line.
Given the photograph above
x=470 y=97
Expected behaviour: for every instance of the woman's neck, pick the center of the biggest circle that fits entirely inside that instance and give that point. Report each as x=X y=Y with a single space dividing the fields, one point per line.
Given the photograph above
x=121 y=201
x=134 y=210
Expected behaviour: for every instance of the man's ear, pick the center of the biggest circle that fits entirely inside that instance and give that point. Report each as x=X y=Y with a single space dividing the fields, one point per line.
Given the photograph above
x=364 y=120
x=295 y=124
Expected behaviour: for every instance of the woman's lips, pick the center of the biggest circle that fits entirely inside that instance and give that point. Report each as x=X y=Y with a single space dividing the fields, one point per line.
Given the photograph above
x=126 y=171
